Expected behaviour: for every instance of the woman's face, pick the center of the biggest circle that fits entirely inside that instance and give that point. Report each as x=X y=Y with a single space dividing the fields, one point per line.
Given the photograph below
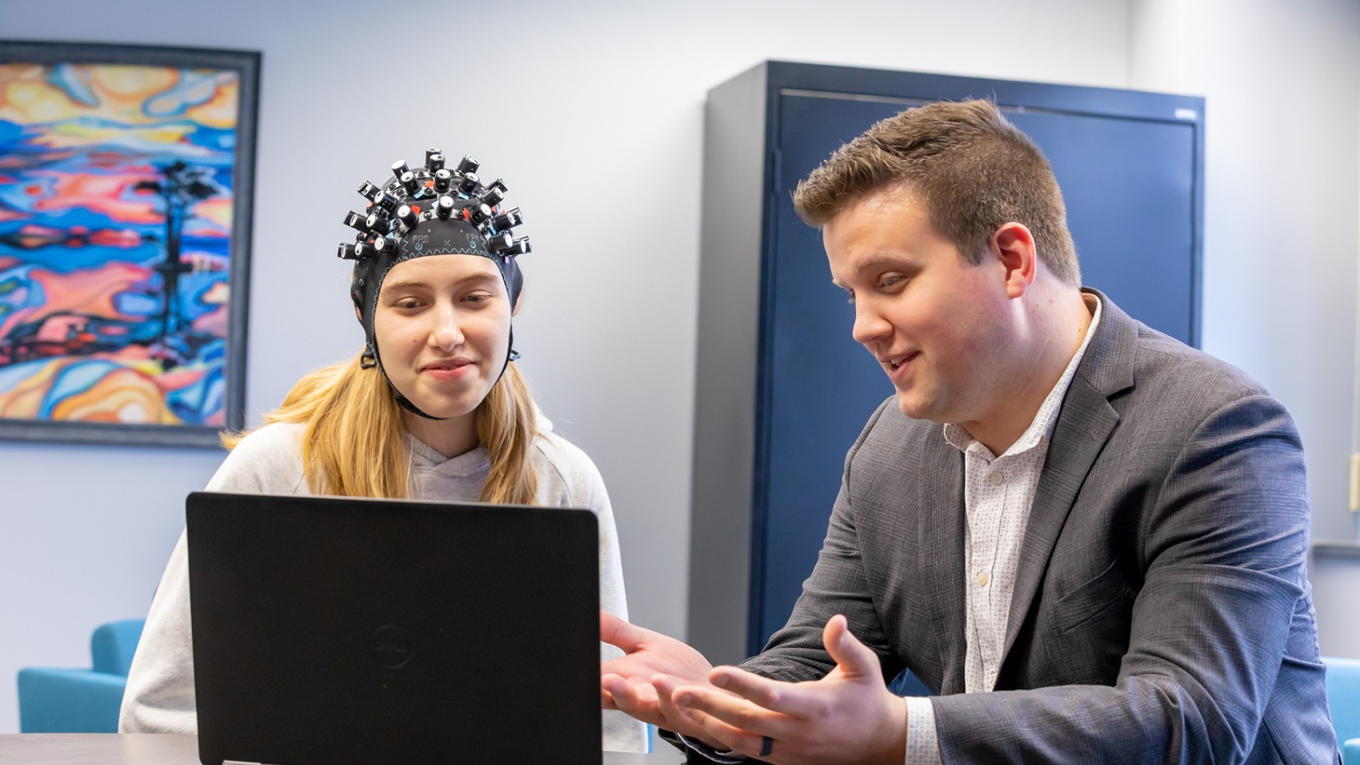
x=442 y=326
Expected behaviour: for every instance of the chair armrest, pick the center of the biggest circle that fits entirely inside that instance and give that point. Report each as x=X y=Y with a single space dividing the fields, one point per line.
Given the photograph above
x=69 y=701
x=113 y=645
x=1350 y=752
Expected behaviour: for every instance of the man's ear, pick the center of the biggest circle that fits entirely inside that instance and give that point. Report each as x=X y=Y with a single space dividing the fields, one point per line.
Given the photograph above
x=1013 y=245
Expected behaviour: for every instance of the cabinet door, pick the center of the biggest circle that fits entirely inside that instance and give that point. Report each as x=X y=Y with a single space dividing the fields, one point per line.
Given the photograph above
x=1130 y=200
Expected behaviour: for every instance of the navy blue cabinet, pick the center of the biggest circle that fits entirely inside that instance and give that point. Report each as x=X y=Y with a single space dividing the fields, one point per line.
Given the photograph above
x=782 y=390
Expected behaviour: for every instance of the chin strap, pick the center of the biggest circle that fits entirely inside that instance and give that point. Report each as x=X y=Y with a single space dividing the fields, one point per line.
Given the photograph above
x=406 y=404
x=370 y=359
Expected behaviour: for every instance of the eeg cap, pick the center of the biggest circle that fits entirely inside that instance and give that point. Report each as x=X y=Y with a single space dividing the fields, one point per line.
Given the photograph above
x=430 y=210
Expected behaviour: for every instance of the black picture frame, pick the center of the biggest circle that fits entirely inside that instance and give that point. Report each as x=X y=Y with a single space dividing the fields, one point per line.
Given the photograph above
x=100 y=138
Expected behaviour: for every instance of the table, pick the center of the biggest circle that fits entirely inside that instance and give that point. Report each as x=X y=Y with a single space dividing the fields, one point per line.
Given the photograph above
x=172 y=749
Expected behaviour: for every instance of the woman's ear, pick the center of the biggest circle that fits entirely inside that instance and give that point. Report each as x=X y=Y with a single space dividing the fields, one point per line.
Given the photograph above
x=519 y=301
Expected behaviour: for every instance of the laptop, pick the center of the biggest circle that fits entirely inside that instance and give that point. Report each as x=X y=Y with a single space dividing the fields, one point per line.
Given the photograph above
x=338 y=630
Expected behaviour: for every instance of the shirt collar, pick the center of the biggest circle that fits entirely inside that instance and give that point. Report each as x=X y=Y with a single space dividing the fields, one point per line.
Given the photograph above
x=1046 y=419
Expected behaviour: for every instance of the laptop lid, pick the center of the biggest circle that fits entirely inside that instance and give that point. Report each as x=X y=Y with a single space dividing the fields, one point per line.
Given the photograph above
x=339 y=630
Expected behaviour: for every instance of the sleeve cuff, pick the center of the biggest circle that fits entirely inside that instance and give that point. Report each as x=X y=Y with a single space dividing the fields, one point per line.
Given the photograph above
x=692 y=748
x=923 y=744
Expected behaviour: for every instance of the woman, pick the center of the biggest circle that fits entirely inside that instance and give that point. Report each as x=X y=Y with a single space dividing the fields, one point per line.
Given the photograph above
x=433 y=408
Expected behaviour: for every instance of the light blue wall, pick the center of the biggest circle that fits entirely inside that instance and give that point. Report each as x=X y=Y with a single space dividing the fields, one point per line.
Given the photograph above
x=592 y=112
x=1282 y=216
x=597 y=128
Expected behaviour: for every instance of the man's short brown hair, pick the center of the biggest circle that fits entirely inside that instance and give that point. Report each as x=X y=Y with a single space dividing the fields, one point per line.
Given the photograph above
x=974 y=170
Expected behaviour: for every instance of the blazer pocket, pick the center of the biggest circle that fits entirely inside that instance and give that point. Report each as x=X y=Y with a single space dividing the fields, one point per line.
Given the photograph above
x=1099 y=595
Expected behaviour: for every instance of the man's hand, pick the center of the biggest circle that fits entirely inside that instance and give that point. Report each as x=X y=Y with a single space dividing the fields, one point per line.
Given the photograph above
x=849 y=716
x=626 y=682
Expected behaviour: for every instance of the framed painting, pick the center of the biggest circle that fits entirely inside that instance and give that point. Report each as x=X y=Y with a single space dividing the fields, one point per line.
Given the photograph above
x=126 y=175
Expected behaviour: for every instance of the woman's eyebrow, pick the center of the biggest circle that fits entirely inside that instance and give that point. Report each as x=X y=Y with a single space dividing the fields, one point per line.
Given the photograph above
x=403 y=285
x=418 y=284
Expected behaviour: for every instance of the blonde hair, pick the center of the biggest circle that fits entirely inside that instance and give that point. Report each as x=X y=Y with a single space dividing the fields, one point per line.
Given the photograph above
x=975 y=170
x=353 y=445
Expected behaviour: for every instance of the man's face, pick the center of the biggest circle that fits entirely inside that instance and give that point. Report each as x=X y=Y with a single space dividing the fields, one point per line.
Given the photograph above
x=936 y=324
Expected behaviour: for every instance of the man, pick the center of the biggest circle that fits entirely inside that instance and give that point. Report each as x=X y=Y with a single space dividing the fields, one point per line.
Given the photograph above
x=1087 y=538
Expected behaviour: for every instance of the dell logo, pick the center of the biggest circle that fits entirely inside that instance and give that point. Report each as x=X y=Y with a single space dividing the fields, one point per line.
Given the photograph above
x=391 y=646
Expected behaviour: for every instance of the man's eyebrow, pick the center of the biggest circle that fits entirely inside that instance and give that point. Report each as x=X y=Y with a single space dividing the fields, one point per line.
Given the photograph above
x=875 y=263
x=883 y=261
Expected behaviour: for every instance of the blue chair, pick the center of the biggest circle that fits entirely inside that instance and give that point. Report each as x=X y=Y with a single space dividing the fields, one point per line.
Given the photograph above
x=1343 y=701
x=81 y=700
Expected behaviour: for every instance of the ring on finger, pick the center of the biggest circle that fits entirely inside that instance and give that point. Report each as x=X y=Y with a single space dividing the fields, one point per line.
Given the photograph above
x=766 y=745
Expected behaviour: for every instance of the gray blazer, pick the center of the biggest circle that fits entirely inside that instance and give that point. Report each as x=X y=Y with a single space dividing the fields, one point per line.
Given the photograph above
x=1161 y=611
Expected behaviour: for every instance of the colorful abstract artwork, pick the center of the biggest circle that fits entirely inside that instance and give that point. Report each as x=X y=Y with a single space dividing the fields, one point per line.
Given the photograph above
x=123 y=248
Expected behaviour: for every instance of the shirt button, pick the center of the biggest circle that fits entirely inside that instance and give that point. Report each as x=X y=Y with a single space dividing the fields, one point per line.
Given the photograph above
x=982 y=579
x=997 y=478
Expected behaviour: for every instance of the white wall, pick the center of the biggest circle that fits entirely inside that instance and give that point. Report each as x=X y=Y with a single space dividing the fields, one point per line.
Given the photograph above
x=592 y=112
x=1282 y=200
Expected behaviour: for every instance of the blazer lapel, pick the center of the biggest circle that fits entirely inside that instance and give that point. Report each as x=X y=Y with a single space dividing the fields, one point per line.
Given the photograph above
x=940 y=529
x=1085 y=423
